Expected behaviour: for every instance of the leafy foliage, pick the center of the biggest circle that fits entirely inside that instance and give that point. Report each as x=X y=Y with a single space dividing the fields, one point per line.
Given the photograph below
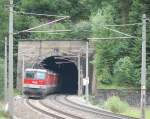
x=82 y=30
x=52 y=35
x=74 y=8
x=116 y=105
x=148 y=78
x=110 y=53
x=3 y=25
x=1 y=77
x=115 y=60
x=124 y=71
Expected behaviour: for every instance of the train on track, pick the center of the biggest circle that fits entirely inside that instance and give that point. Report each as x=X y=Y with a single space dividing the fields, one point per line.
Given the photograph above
x=40 y=82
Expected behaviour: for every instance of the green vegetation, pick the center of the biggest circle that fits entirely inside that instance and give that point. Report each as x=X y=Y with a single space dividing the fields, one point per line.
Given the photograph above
x=3 y=115
x=135 y=112
x=117 y=62
x=17 y=92
x=114 y=86
x=115 y=105
x=1 y=78
x=123 y=70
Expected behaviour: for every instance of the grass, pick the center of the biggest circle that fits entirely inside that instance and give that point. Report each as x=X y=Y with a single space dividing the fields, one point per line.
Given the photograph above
x=113 y=86
x=116 y=105
x=3 y=114
x=16 y=92
x=131 y=111
x=135 y=112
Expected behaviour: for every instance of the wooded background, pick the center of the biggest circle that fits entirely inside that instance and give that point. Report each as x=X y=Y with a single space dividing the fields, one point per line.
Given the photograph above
x=117 y=62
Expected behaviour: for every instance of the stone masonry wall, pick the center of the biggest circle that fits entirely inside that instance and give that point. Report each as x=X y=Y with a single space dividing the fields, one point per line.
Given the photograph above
x=128 y=95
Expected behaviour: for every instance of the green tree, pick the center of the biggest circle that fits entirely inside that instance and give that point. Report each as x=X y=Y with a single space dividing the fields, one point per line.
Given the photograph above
x=74 y=8
x=1 y=77
x=87 y=20
x=116 y=105
x=81 y=30
x=124 y=72
x=3 y=25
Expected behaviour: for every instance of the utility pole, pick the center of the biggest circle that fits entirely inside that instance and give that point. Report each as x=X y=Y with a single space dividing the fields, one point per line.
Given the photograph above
x=143 y=68
x=5 y=74
x=10 y=106
x=22 y=72
x=79 y=77
x=87 y=72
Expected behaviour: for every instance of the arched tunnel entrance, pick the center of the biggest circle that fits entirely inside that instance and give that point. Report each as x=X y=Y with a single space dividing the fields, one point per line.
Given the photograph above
x=67 y=71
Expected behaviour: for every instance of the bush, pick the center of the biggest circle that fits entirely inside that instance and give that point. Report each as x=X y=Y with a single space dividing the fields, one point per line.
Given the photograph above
x=124 y=72
x=148 y=78
x=115 y=105
x=148 y=84
x=82 y=30
x=107 y=81
x=1 y=78
x=3 y=114
x=105 y=76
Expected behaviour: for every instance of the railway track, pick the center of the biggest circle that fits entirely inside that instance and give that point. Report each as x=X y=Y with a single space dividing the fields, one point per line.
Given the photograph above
x=108 y=115
x=61 y=107
x=59 y=110
x=43 y=111
x=94 y=110
x=47 y=110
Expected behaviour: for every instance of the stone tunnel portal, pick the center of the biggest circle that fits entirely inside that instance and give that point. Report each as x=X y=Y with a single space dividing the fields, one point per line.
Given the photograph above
x=67 y=71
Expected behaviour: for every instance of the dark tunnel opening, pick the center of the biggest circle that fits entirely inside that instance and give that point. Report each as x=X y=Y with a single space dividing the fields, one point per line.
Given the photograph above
x=67 y=71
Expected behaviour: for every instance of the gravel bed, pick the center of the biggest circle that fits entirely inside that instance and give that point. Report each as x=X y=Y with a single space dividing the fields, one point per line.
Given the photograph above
x=23 y=111
x=74 y=111
x=80 y=101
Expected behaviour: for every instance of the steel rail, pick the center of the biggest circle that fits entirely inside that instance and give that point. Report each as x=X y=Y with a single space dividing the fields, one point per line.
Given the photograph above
x=98 y=111
x=42 y=111
x=89 y=110
x=59 y=111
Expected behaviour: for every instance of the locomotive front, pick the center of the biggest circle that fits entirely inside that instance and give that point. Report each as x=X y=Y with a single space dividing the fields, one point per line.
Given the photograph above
x=35 y=83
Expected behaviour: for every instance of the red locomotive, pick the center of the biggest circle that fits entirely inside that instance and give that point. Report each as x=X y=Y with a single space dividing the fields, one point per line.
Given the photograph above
x=39 y=82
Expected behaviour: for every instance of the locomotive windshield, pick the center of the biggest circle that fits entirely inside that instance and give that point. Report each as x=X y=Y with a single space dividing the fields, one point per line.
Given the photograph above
x=35 y=75
x=40 y=75
x=30 y=74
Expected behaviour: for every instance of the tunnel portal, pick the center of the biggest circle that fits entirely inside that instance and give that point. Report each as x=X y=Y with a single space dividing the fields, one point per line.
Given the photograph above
x=67 y=71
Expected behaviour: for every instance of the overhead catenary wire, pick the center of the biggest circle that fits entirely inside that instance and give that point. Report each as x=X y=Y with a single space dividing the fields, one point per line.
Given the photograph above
x=49 y=31
x=107 y=38
x=122 y=25
x=49 y=15
x=48 y=23
x=54 y=33
x=37 y=14
x=114 y=30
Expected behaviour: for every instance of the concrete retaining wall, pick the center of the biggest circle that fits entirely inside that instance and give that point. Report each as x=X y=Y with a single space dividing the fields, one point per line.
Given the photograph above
x=131 y=96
